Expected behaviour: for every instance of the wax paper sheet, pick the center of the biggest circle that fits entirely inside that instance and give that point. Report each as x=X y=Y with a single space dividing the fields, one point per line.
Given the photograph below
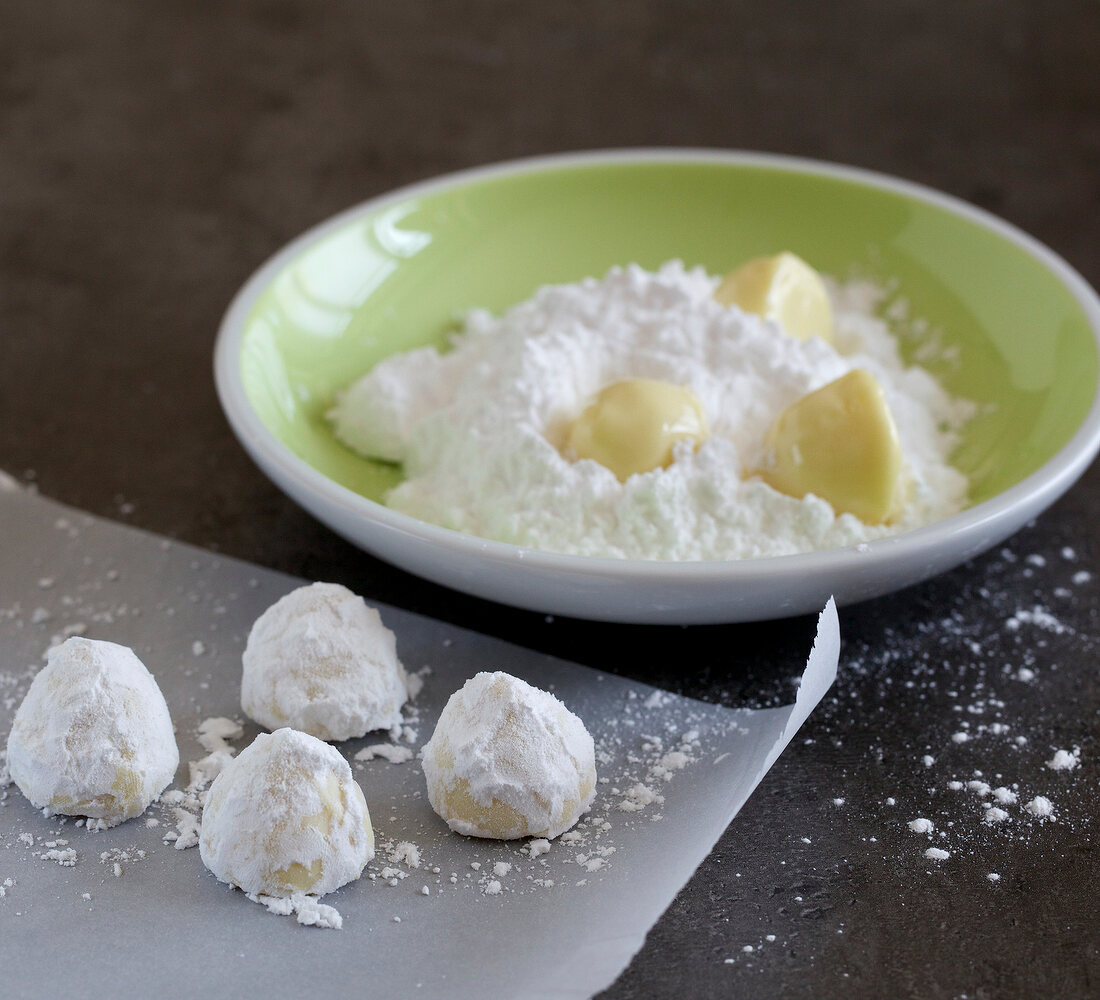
x=122 y=912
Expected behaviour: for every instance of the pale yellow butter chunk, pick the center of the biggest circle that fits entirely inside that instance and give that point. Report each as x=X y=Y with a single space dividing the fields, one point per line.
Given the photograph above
x=784 y=288
x=841 y=444
x=634 y=426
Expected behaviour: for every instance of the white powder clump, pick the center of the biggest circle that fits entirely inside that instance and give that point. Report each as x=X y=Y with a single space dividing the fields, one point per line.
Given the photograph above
x=1065 y=760
x=306 y=909
x=1040 y=807
x=65 y=856
x=638 y=796
x=93 y=736
x=921 y=825
x=937 y=854
x=406 y=853
x=392 y=752
x=508 y=760
x=320 y=661
x=214 y=735
x=286 y=817
x=480 y=429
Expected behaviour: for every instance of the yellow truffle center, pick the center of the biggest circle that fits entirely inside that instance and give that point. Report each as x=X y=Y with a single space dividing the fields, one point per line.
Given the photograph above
x=784 y=288
x=634 y=426
x=841 y=444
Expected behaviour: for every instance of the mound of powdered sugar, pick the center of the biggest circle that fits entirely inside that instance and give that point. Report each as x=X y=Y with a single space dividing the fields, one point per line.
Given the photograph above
x=479 y=429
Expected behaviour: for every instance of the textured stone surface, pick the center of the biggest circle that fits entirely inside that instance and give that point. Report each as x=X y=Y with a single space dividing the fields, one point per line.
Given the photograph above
x=152 y=155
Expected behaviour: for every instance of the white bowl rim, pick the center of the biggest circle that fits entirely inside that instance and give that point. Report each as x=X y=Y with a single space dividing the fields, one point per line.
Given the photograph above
x=1037 y=491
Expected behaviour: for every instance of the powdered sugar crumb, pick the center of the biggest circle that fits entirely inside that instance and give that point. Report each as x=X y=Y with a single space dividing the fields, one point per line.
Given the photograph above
x=406 y=853
x=1065 y=760
x=1040 y=807
x=307 y=910
x=392 y=752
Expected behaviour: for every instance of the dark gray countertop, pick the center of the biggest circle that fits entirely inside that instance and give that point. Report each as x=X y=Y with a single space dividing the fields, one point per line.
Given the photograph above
x=152 y=155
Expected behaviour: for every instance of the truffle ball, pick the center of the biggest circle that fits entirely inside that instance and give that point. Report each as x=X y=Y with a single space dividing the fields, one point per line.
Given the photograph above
x=286 y=816
x=319 y=660
x=509 y=760
x=93 y=736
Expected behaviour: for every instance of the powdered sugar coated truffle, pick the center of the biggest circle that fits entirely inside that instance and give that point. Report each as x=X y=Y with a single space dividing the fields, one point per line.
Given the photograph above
x=285 y=817
x=509 y=760
x=93 y=736
x=319 y=660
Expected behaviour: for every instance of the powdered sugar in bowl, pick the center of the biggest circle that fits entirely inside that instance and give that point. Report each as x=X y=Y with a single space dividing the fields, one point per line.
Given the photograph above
x=996 y=318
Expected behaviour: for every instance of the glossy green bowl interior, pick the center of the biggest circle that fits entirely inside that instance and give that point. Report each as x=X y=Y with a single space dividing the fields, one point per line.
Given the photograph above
x=400 y=272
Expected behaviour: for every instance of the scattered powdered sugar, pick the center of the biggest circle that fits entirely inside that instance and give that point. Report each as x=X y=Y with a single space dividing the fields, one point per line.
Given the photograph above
x=216 y=735
x=186 y=806
x=405 y=853
x=1040 y=807
x=637 y=766
x=392 y=752
x=1037 y=616
x=976 y=777
x=64 y=856
x=117 y=856
x=1065 y=760
x=306 y=909
x=480 y=428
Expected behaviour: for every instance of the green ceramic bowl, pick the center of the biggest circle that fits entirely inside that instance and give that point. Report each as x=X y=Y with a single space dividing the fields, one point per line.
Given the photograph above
x=1013 y=326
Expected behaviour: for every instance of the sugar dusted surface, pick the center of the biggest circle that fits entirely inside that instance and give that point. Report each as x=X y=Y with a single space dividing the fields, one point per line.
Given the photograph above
x=480 y=429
